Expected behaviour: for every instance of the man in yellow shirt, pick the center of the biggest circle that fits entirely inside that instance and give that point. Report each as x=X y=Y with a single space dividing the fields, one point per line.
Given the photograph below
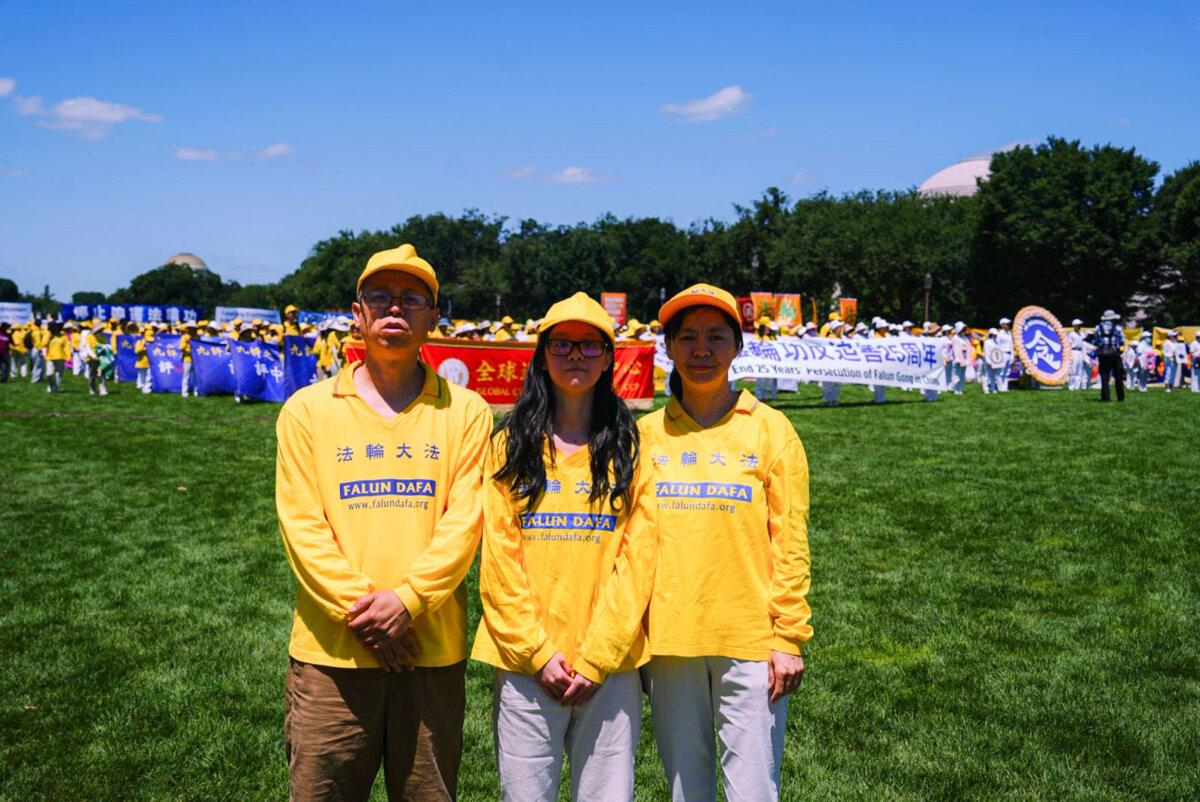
x=37 y=352
x=58 y=350
x=378 y=489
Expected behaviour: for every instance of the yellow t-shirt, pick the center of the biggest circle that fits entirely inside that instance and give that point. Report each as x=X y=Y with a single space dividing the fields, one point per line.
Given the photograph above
x=290 y=329
x=367 y=503
x=41 y=337
x=139 y=350
x=17 y=342
x=185 y=347
x=733 y=565
x=567 y=576
x=58 y=348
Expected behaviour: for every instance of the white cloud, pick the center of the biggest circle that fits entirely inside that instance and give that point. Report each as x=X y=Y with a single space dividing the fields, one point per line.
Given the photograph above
x=578 y=175
x=197 y=155
x=801 y=177
x=29 y=105
x=274 y=151
x=521 y=172
x=92 y=118
x=721 y=103
x=7 y=85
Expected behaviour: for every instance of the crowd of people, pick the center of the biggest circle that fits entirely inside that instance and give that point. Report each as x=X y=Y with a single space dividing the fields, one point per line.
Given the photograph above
x=46 y=350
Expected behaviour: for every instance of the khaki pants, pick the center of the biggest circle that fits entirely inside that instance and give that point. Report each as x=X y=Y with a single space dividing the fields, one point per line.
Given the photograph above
x=341 y=723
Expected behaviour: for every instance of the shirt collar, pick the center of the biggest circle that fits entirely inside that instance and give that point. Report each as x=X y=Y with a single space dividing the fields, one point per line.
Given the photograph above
x=343 y=385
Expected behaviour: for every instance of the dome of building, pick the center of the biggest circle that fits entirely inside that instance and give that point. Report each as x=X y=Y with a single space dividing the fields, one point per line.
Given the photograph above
x=187 y=260
x=958 y=179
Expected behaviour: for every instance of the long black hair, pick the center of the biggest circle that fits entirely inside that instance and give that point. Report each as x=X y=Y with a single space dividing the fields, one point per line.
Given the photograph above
x=613 y=438
x=671 y=330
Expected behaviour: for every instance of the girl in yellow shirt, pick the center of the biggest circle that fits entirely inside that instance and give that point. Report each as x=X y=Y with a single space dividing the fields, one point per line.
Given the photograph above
x=729 y=613
x=566 y=569
x=58 y=350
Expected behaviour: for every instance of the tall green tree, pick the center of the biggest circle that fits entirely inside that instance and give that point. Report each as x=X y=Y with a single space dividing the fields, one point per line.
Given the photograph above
x=173 y=284
x=9 y=290
x=1174 y=289
x=1065 y=227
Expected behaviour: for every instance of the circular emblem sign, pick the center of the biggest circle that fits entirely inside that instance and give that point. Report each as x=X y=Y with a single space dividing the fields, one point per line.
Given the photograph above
x=455 y=370
x=1041 y=344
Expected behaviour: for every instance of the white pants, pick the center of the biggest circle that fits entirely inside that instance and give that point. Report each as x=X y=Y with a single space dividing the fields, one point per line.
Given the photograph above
x=533 y=731
x=37 y=365
x=144 y=382
x=95 y=378
x=188 y=384
x=1195 y=378
x=689 y=697
x=1005 y=369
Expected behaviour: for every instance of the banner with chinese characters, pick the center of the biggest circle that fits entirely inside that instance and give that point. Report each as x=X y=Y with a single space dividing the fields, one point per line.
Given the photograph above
x=299 y=363
x=139 y=313
x=212 y=367
x=258 y=371
x=912 y=362
x=126 y=358
x=166 y=363
x=497 y=370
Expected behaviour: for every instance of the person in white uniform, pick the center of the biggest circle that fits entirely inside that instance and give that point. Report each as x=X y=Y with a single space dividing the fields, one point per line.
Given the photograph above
x=993 y=361
x=1172 y=356
x=1080 y=365
x=1005 y=340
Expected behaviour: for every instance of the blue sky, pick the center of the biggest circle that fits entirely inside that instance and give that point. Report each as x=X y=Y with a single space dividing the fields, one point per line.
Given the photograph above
x=247 y=132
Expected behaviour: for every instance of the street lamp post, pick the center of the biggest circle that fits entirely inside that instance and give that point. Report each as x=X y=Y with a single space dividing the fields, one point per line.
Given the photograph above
x=928 y=284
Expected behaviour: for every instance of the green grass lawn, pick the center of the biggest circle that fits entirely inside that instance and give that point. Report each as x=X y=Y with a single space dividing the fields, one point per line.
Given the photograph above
x=1005 y=597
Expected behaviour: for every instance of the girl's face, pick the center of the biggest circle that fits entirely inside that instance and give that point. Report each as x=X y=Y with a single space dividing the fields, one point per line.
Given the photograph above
x=576 y=355
x=703 y=349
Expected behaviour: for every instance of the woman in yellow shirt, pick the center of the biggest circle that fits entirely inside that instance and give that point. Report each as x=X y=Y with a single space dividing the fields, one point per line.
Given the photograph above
x=729 y=613
x=566 y=569
x=58 y=350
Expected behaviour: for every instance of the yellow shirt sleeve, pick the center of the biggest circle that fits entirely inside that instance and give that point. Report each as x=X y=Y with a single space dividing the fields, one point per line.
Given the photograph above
x=787 y=524
x=511 y=613
x=442 y=567
x=320 y=566
x=617 y=619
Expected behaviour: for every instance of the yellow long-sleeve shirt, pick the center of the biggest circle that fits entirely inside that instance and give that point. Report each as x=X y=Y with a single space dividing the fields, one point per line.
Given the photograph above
x=185 y=347
x=367 y=503
x=41 y=338
x=733 y=564
x=58 y=348
x=567 y=576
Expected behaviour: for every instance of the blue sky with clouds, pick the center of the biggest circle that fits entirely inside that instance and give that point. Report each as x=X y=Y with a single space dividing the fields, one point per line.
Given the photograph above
x=246 y=132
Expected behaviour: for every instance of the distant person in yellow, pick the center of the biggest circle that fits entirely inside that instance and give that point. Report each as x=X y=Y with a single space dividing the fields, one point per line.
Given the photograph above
x=188 y=384
x=729 y=614
x=58 y=351
x=291 y=320
x=37 y=352
x=142 y=356
x=566 y=569
x=378 y=489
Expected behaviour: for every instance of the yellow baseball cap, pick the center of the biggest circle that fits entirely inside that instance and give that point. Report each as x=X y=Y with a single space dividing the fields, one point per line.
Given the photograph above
x=290 y=308
x=582 y=308
x=405 y=260
x=699 y=295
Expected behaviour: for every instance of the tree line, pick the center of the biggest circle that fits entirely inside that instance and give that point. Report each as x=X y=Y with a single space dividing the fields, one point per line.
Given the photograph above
x=1077 y=229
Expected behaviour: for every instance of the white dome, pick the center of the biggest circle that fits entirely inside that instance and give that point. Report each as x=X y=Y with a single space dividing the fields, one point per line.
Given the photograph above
x=187 y=260
x=958 y=179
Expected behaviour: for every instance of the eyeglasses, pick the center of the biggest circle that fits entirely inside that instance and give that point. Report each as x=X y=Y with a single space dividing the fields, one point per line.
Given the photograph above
x=587 y=348
x=381 y=301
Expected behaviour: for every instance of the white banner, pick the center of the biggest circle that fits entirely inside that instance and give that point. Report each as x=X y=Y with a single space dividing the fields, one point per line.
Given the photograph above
x=904 y=361
x=16 y=313
x=225 y=314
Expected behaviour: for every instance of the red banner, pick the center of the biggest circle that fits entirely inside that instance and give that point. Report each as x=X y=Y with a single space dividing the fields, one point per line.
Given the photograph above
x=614 y=304
x=497 y=370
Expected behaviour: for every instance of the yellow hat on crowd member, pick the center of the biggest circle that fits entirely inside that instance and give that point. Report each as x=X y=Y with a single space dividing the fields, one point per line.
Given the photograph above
x=506 y=321
x=699 y=295
x=290 y=308
x=257 y=322
x=765 y=320
x=579 y=307
x=835 y=316
x=237 y=321
x=191 y=324
x=405 y=260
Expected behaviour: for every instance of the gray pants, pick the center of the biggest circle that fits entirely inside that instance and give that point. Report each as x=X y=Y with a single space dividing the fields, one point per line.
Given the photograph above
x=533 y=731
x=37 y=365
x=694 y=698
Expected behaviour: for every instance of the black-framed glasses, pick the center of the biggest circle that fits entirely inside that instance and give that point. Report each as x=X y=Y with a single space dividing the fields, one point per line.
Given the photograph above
x=381 y=301
x=588 y=348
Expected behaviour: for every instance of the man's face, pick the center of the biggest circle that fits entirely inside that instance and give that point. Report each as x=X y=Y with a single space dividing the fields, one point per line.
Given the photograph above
x=389 y=314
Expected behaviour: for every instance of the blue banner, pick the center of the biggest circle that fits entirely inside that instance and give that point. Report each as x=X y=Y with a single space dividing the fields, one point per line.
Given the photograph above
x=299 y=363
x=18 y=314
x=166 y=363
x=140 y=313
x=212 y=367
x=258 y=371
x=126 y=358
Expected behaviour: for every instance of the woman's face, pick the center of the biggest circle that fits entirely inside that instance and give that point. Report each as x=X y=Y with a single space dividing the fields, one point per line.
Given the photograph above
x=574 y=372
x=703 y=349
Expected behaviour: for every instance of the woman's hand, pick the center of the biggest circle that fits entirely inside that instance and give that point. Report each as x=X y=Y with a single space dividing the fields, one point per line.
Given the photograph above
x=555 y=677
x=580 y=691
x=784 y=672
